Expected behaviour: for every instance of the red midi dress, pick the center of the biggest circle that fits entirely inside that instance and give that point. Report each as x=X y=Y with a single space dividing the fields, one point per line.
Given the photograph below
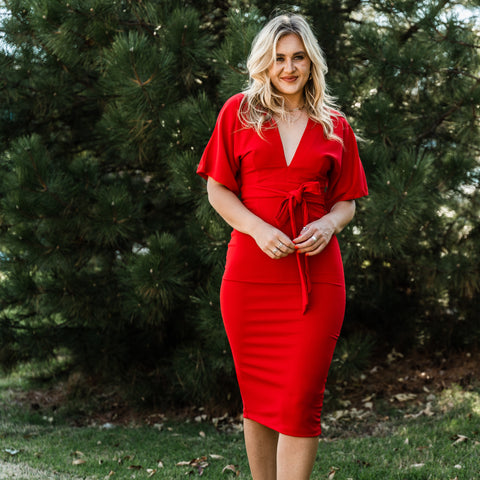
x=283 y=316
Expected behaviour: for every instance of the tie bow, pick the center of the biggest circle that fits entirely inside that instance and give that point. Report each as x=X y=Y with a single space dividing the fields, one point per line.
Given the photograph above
x=310 y=197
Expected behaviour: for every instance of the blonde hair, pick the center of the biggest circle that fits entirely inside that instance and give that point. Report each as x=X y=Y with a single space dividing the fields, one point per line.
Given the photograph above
x=261 y=102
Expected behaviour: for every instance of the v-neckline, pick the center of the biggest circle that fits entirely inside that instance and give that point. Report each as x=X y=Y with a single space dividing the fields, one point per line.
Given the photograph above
x=288 y=164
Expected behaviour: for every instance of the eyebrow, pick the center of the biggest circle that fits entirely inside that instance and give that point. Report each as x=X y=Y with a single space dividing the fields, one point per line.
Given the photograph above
x=301 y=52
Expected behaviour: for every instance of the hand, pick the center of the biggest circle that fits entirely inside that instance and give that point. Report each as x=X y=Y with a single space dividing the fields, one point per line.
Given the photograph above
x=315 y=236
x=273 y=241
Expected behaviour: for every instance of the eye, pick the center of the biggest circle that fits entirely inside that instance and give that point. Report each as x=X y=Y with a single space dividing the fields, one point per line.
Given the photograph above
x=299 y=57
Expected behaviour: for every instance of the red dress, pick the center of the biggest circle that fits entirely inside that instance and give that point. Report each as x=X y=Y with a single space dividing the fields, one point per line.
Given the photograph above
x=283 y=316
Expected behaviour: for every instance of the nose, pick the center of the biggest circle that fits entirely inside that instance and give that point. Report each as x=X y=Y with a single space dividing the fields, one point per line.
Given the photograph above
x=289 y=66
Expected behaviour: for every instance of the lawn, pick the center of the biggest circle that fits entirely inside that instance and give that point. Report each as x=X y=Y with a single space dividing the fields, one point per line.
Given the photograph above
x=436 y=437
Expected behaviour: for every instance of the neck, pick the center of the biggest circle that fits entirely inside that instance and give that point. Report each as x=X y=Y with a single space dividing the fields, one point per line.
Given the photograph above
x=294 y=105
x=296 y=109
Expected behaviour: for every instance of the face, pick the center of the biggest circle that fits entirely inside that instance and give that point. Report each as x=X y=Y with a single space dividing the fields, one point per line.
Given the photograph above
x=290 y=69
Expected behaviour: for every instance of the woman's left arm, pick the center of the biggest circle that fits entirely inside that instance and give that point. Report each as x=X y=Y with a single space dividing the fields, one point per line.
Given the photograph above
x=315 y=236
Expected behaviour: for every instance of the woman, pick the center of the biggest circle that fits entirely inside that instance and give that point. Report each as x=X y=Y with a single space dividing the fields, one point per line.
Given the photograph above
x=283 y=170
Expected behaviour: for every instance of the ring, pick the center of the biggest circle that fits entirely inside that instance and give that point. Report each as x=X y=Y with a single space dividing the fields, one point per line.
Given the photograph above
x=279 y=246
x=314 y=239
x=274 y=251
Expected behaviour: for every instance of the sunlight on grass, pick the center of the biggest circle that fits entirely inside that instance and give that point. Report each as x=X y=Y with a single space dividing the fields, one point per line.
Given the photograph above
x=9 y=382
x=460 y=400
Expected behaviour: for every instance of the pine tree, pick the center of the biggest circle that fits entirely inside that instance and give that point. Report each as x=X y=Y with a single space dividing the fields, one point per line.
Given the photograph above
x=417 y=105
x=111 y=254
x=97 y=258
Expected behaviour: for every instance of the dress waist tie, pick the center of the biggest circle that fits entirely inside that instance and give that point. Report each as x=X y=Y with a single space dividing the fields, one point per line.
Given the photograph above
x=310 y=198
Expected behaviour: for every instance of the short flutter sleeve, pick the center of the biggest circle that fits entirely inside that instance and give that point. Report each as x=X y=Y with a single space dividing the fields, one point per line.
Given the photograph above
x=218 y=160
x=347 y=179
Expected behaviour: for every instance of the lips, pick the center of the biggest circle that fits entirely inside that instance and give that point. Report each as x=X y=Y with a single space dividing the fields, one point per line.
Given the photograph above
x=289 y=79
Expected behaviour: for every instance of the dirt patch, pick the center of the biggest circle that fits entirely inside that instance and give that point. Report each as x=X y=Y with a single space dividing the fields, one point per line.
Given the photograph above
x=416 y=374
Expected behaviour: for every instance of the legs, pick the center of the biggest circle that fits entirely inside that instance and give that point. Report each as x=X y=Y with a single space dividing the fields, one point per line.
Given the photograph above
x=295 y=457
x=261 y=443
x=274 y=456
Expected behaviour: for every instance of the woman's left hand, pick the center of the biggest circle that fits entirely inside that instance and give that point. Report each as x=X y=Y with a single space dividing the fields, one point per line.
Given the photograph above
x=315 y=236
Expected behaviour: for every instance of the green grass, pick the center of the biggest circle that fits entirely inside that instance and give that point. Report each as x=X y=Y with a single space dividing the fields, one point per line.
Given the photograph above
x=392 y=442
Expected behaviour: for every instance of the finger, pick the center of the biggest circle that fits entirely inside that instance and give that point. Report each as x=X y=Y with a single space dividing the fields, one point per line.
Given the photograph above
x=308 y=242
x=285 y=245
x=286 y=241
x=301 y=238
x=305 y=237
x=277 y=253
x=286 y=249
x=305 y=234
x=314 y=248
x=317 y=250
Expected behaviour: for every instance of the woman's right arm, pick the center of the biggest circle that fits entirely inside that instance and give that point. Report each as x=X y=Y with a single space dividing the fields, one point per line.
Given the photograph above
x=234 y=212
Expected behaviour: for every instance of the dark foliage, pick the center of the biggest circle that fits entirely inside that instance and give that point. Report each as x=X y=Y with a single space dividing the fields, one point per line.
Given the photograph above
x=110 y=251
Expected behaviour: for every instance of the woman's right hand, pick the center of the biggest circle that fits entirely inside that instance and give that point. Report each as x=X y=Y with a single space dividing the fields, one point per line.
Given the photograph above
x=272 y=241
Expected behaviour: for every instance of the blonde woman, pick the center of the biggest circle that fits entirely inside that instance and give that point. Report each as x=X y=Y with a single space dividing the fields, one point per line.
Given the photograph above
x=282 y=169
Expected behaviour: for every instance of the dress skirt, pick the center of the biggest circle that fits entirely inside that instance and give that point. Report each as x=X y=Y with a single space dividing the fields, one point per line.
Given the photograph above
x=282 y=356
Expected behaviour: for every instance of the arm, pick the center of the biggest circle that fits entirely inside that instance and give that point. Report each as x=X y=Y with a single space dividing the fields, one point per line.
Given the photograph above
x=324 y=228
x=271 y=240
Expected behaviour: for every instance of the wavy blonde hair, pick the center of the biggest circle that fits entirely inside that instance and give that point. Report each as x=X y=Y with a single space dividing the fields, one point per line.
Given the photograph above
x=261 y=102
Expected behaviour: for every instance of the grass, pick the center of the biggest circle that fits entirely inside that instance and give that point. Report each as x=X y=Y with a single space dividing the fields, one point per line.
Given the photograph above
x=444 y=446
x=404 y=441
